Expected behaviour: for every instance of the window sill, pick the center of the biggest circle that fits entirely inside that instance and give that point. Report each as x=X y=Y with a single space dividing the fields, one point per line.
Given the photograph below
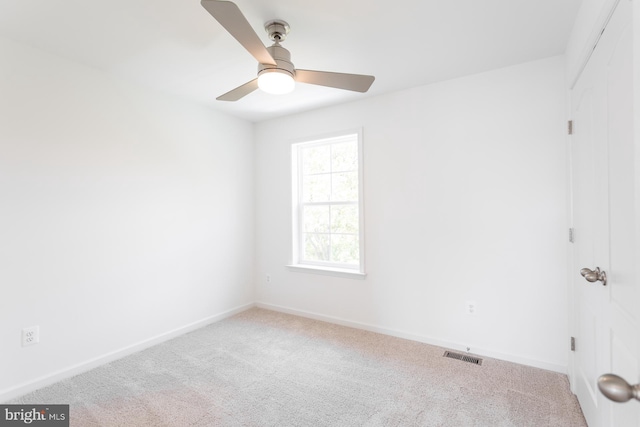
x=337 y=272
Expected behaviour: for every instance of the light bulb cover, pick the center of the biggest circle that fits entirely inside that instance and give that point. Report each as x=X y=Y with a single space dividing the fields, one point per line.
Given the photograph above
x=275 y=81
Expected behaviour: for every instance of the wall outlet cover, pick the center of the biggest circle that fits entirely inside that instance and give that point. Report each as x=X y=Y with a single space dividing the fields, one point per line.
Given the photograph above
x=471 y=307
x=30 y=335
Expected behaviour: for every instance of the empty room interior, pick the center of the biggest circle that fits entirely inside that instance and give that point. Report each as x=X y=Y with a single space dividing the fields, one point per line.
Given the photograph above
x=435 y=225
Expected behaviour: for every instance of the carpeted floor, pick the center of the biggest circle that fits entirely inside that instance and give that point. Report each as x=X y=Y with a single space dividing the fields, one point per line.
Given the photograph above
x=262 y=368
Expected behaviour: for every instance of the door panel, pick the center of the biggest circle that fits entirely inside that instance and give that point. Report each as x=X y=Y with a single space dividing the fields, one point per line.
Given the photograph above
x=621 y=172
x=604 y=217
x=586 y=99
x=621 y=305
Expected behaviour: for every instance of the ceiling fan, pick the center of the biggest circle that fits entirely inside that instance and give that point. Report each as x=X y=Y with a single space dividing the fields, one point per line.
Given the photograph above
x=276 y=73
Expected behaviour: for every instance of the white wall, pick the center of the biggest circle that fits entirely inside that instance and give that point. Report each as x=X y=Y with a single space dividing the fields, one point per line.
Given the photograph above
x=465 y=189
x=124 y=216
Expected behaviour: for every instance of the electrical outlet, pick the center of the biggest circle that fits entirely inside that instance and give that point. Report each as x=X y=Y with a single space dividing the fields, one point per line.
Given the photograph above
x=30 y=335
x=471 y=307
x=268 y=278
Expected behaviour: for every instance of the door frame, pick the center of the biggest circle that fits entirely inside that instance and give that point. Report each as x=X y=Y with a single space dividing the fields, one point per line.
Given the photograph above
x=590 y=40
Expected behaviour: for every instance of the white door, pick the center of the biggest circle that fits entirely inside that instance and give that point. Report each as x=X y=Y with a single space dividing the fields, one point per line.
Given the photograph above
x=604 y=201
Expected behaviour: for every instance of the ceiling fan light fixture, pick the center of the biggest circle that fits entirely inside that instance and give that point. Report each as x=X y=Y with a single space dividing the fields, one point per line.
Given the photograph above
x=276 y=73
x=275 y=81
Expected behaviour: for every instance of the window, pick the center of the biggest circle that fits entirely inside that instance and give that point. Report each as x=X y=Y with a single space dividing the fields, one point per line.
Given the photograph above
x=327 y=204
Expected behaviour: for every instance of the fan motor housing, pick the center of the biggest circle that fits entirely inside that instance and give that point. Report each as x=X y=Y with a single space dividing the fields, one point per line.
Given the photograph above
x=282 y=58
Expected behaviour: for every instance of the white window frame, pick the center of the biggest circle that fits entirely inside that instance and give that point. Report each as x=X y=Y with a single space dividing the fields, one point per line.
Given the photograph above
x=333 y=269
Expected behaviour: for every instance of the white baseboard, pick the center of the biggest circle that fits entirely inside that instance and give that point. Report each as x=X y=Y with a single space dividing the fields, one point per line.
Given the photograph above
x=22 y=389
x=419 y=338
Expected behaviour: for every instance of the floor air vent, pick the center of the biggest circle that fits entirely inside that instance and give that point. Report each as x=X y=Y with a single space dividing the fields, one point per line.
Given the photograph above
x=463 y=357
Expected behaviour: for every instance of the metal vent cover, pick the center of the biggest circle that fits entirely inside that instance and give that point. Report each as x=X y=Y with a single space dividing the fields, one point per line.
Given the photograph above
x=463 y=357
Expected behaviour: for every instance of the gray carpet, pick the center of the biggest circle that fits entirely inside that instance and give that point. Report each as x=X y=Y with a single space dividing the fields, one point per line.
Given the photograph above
x=262 y=368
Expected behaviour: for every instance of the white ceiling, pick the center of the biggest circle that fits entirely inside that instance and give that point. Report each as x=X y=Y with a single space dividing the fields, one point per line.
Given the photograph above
x=177 y=47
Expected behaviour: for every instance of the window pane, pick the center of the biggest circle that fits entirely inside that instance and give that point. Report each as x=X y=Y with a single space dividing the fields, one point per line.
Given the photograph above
x=316 y=160
x=345 y=186
x=316 y=188
x=326 y=194
x=345 y=248
x=316 y=247
x=316 y=219
x=344 y=219
x=344 y=157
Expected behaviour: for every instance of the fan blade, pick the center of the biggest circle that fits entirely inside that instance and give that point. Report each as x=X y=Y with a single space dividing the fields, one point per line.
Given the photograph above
x=240 y=91
x=355 y=82
x=230 y=17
